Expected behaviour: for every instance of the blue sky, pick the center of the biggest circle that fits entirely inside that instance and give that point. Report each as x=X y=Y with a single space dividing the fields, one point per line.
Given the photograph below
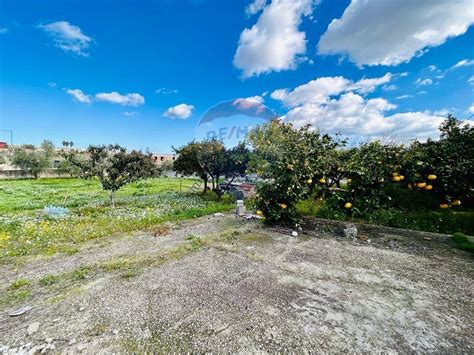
x=142 y=73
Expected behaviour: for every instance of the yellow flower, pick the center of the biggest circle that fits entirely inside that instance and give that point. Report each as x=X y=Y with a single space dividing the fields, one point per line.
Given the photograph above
x=259 y=213
x=282 y=205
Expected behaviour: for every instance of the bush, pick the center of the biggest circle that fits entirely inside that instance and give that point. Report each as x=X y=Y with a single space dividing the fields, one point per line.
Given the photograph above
x=462 y=242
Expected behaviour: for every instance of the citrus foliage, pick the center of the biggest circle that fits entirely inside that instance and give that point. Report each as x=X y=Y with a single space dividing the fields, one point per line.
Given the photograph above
x=297 y=163
x=290 y=162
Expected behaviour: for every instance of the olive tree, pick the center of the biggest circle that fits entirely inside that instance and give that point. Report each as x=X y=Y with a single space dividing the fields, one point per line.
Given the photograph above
x=113 y=166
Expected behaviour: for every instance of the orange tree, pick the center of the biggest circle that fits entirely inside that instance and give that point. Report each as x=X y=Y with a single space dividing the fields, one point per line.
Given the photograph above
x=367 y=170
x=289 y=162
x=444 y=167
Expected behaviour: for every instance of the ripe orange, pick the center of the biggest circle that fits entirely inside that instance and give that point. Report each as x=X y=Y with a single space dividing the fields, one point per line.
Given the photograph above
x=429 y=187
x=443 y=205
x=432 y=177
x=348 y=205
x=396 y=178
x=456 y=203
x=259 y=213
x=421 y=185
x=349 y=180
x=402 y=177
x=322 y=180
x=309 y=181
x=282 y=205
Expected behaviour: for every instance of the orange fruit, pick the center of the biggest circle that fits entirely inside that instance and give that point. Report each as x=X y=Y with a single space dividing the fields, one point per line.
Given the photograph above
x=348 y=205
x=432 y=177
x=421 y=185
x=282 y=205
x=259 y=213
x=349 y=180
x=396 y=178
x=443 y=205
x=322 y=180
x=309 y=181
x=429 y=187
x=456 y=203
x=402 y=177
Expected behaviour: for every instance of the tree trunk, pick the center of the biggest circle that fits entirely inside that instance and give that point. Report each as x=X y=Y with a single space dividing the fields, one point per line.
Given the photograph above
x=205 y=184
x=112 y=199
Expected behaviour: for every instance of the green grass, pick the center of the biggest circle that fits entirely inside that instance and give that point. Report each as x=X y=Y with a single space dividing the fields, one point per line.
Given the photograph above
x=25 y=230
x=24 y=195
x=18 y=284
x=462 y=242
x=438 y=221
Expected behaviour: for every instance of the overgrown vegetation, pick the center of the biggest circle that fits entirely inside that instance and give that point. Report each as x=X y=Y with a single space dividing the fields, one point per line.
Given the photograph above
x=25 y=230
x=424 y=185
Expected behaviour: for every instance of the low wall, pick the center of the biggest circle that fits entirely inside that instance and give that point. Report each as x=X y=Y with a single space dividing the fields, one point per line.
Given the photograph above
x=18 y=174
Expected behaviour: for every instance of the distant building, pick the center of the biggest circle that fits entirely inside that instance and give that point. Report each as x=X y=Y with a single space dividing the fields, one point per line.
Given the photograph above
x=161 y=158
x=3 y=145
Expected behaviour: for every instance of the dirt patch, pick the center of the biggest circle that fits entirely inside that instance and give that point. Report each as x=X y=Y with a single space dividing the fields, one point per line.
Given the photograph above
x=225 y=284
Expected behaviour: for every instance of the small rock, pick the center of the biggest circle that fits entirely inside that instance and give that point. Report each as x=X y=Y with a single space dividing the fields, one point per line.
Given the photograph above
x=115 y=331
x=3 y=349
x=81 y=309
x=49 y=340
x=81 y=347
x=427 y=238
x=350 y=231
x=33 y=328
x=218 y=214
x=20 y=311
x=294 y=233
x=72 y=341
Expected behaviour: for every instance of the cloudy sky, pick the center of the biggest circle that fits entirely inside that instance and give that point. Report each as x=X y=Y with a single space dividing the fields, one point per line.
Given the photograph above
x=142 y=73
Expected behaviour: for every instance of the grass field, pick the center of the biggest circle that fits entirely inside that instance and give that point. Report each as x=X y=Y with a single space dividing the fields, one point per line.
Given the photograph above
x=26 y=230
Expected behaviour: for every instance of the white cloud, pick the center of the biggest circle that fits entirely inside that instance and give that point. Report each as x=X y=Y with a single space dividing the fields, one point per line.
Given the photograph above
x=423 y=82
x=471 y=80
x=124 y=100
x=471 y=109
x=431 y=67
x=462 y=63
x=422 y=92
x=78 y=95
x=130 y=113
x=443 y=112
x=3 y=30
x=68 y=37
x=250 y=102
x=365 y=86
x=389 y=87
x=275 y=42
x=52 y=84
x=385 y=32
x=165 y=91
x=403 y=97
x=255 y=7
x=359 y=118
x=321 y=89
x=181 y=111
x=337 y=104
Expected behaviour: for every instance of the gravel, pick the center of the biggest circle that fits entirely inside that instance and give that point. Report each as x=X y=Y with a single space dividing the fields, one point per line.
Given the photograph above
x=259 y=290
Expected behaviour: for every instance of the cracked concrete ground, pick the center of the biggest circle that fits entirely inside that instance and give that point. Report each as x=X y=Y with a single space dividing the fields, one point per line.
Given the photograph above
x=226 y=284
